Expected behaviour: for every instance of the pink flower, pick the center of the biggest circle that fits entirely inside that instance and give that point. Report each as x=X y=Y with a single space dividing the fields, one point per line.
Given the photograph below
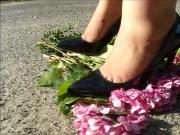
x=160 y=94
x=82 y=124
x=154 y=97
x=79 y=110
x=129 y=125
x=93 y=125
x=103 y=125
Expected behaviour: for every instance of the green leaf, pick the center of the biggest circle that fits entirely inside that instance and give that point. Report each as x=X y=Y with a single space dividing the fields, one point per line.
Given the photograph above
x=101 y=99
x=67 y=99
x=50 y=78
x=61 y=98
x=65 y=109
x=65 y=102
x=71 y=99
x=75 y=72
x=96 y=99
x=63 y=88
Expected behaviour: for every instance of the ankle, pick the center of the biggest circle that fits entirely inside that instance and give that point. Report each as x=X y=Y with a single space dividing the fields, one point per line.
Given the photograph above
x=152 y=32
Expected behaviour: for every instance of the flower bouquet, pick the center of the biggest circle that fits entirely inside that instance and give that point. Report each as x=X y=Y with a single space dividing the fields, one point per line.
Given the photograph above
x=125 y=112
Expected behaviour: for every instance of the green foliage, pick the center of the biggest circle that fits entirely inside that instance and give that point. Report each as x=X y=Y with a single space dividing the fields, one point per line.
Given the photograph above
x=61 y=79
x=74 y=72
x=50 y=78
x=65 y=102
x=67 y=67
x=62 y=89
x=53 y=37
x=61 y=34
x=101 y=99
x=70 y=75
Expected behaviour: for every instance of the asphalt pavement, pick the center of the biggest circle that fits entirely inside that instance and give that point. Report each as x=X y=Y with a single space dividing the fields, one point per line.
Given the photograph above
x=25 y=108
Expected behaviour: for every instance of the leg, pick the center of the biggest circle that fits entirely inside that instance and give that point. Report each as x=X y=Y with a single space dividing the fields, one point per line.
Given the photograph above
x=144 y=25
x=106 y=13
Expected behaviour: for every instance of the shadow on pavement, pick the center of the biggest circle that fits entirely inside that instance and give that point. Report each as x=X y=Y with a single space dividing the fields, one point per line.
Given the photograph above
x=158 y=127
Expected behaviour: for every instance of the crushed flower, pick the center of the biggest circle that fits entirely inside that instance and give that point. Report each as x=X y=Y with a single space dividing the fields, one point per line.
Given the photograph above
x=97 y=123
x=159 y=95
x=156 y=97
